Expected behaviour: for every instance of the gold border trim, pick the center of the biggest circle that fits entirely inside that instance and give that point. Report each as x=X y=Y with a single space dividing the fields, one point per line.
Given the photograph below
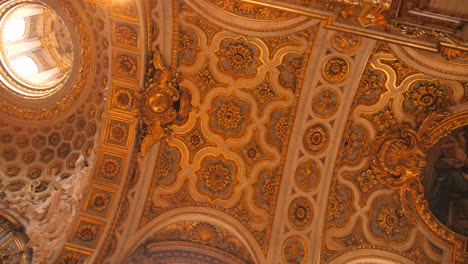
x=329 y=23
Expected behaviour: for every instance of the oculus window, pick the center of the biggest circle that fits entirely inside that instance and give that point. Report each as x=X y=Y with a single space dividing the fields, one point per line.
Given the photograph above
x=36 y=49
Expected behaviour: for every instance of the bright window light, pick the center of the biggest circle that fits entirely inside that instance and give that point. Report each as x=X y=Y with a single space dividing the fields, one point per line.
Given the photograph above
x=24 y=66
x=14 y=29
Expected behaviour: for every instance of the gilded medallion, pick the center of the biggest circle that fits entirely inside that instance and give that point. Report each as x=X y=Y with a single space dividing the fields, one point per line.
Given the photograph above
x=335 y=69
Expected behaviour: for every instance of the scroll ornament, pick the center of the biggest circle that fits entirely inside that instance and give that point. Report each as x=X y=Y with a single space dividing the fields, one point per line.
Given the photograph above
x=161 y=103
x=398 y=157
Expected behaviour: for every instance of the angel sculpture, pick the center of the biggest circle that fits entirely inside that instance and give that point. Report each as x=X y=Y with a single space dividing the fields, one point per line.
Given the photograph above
x=54 y=216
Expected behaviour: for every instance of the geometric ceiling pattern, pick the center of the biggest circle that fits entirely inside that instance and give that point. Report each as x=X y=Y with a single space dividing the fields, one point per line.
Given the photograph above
x=315 y=132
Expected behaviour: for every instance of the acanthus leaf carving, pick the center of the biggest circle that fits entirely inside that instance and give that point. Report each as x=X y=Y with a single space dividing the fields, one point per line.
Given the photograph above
x=426 y=126
x=398 y=157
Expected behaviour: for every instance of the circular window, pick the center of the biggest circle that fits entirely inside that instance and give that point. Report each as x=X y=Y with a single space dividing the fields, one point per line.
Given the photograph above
x=47 y=59
x=36 y=51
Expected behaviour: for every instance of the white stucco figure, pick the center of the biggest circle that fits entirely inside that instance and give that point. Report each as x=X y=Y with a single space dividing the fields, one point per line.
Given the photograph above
x=50 y=219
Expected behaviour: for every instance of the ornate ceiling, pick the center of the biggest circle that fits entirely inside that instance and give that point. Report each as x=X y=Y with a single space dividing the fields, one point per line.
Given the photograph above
x=242 y=132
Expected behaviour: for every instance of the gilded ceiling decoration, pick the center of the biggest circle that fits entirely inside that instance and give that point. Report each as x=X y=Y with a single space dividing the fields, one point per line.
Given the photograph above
x=161 y=103
x=13 y=248
x=197 y=234
x=54 y=145
x=252 y=11
x=30 y=153
x=230 y=118
x=398 y=159
x=244 y=131
x=335 y=70
x=413 y=23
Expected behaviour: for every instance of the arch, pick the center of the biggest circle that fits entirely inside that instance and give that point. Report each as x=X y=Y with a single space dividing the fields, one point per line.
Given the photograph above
x=184 y=253
x=13 y=239
x=191 y=216
x=370 y=256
